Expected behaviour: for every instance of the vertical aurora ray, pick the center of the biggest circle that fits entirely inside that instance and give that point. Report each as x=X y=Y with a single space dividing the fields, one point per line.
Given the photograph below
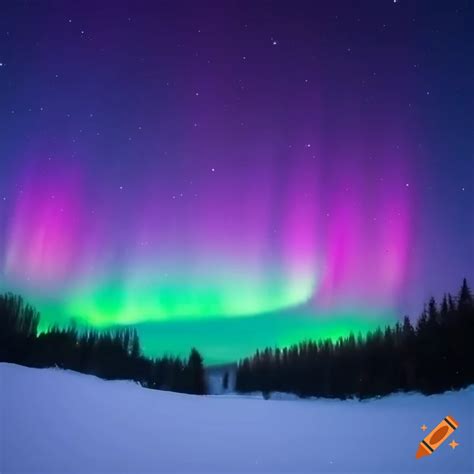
x=43 y=231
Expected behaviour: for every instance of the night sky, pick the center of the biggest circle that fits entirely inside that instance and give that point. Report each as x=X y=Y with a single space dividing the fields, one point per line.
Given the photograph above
x=233 y=175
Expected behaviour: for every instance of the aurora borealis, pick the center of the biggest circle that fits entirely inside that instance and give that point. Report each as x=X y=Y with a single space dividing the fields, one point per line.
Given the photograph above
x=234 y=175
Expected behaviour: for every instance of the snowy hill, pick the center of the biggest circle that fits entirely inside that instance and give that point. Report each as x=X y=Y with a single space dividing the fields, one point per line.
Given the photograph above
x=57 y=421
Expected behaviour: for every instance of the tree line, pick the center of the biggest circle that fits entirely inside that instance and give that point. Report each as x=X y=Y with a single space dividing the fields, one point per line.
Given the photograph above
x=111 y=354
x=433 y=356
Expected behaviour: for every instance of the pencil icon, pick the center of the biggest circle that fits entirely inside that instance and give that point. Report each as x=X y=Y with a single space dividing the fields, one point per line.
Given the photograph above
x=437 y=437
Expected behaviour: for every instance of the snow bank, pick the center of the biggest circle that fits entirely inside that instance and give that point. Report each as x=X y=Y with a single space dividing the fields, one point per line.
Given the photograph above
x=57 y=421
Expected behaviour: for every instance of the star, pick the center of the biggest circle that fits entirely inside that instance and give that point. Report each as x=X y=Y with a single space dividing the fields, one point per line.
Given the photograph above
x=424 y=427
x=453 y=444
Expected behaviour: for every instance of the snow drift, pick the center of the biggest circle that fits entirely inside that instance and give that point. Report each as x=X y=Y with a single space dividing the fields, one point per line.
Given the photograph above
x=58 y=421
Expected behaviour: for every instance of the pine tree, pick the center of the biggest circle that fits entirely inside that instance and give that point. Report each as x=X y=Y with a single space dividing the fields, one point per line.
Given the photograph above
x=465 y=296
x=196 y=375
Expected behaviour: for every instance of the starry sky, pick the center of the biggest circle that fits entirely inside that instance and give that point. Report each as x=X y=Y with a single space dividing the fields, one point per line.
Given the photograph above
x=233 y=175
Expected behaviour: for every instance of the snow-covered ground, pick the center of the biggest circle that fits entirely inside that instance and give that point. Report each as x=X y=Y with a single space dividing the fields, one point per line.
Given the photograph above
x=57 y=421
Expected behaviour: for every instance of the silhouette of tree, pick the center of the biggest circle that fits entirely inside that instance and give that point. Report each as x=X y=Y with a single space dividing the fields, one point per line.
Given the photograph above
x=114 y=354
x=431 y=358
x=195 y=373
